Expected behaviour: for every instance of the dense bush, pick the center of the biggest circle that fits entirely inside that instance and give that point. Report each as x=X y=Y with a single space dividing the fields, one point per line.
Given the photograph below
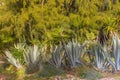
x=49 y=21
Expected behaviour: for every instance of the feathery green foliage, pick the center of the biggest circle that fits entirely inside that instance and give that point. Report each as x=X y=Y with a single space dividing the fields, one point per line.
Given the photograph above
x=50 y=21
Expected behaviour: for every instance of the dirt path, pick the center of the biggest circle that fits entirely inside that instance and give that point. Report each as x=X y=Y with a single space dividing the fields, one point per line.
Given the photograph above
x=70 y=77
x=2 y=62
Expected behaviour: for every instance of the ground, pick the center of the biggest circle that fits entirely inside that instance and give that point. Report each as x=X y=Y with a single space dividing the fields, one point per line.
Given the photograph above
x=49 y=74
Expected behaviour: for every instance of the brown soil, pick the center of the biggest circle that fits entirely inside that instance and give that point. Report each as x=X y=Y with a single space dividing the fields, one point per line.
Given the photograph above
x=3 y=76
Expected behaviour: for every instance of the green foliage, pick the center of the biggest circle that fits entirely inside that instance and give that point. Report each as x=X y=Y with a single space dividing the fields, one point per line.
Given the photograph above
x=53 y=20
x=49 y=71
x=87 y=73
x=18 y=51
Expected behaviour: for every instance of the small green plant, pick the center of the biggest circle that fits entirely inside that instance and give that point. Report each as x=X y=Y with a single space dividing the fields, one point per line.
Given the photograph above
x=20 y=46
x=86 y=72
x=18 y=50
x=50 y=70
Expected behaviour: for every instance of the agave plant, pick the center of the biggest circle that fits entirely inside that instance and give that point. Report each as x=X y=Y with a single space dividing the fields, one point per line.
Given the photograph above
x=116 y=51
x=73 y=52
x=115 y=62
x=57 y=56
x=99 y=57
x=13 y=60
x=109 y=61
x=33 y=58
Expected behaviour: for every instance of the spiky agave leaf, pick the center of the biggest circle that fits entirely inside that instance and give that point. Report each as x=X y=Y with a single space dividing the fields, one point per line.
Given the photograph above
x=33 y=58
x=73 y=51
x=12 y=60
x=99 y=57
x=116 y=51
x=106 y=51
x=57 y=56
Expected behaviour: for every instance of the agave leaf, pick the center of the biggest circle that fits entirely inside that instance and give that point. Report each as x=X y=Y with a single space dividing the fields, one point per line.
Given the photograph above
x=57 y=56
x=12 y=60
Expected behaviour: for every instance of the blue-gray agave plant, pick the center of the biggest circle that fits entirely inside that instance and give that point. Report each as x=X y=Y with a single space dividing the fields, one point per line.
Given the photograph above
x=99 y=57
x=57 y=56
x=73 y=52
x=116 y=51
x=12 y=60
x=107 y=53
x=115 y=62
x=33 y=58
